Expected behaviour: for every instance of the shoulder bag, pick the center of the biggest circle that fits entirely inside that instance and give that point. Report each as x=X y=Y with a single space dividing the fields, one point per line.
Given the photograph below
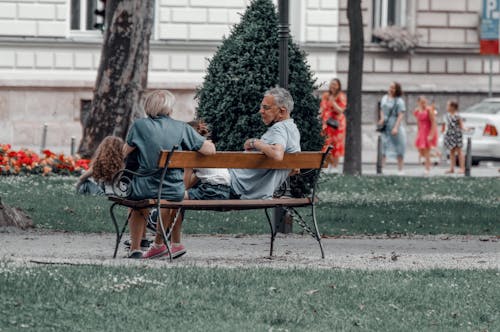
x=383 y=126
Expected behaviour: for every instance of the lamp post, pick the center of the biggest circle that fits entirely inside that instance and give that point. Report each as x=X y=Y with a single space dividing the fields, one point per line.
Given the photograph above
x=283 y=35
x=281 y=219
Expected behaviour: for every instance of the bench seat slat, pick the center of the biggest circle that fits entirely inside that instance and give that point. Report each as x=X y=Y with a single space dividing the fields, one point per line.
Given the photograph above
x=189 y=159
x=217 y=205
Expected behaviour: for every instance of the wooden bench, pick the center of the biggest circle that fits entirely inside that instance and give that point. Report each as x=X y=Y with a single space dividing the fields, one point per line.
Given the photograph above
x=312 y=161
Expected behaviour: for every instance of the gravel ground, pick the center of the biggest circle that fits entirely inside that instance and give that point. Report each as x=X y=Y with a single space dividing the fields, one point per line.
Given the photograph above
x=370 y=253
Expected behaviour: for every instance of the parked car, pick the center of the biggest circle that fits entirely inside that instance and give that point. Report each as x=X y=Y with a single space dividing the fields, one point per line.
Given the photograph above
x=483 y=123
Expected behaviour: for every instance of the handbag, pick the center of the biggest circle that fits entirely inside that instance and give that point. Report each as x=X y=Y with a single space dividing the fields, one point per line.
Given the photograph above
x=382 y=127
x=331 y=122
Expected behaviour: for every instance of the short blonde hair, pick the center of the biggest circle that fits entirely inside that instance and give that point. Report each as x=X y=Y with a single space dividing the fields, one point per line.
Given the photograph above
x=159 y=102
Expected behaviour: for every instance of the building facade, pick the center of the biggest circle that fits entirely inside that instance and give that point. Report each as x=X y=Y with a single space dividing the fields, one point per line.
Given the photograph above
x=50 y=50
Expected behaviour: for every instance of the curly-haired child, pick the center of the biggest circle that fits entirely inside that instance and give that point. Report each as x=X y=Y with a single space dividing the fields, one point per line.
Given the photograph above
x=107 y=160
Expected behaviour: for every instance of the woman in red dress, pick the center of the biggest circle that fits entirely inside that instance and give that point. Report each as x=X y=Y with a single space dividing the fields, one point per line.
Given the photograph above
x=427 y=130
x=333 y=104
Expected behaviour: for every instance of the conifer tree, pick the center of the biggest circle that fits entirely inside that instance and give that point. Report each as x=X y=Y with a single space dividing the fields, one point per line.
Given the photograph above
x=242 y=69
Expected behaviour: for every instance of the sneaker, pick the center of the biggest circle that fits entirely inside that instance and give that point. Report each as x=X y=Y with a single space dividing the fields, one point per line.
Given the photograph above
x=145 y=244
x=136 y=254
x=154 y=252
x=177 y=251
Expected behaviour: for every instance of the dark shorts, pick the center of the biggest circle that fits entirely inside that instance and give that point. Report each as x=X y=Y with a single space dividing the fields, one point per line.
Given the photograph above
x=205 y=191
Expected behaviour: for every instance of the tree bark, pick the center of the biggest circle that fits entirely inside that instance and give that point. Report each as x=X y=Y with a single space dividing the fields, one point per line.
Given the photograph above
x=352 y=160
x=123 y=72
x=14 y=217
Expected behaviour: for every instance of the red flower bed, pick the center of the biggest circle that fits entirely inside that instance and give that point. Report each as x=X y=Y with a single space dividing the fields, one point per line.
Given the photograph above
x=25 y=161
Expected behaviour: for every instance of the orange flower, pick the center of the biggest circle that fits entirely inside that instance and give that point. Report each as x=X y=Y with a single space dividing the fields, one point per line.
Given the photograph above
x=47 y=170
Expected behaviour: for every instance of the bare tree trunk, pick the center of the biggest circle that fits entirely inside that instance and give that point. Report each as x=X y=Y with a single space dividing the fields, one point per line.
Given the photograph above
x=14 y=217
x=123 y=72
x=352 y=160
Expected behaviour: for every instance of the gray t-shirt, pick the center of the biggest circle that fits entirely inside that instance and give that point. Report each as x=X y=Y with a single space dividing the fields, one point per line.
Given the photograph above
x=150 y=136
x=261 y=183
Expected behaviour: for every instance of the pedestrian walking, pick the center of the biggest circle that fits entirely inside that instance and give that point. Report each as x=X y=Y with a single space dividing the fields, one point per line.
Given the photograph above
x=332 y=108
x=427 y=130
x=391 y=113
x=453 y=138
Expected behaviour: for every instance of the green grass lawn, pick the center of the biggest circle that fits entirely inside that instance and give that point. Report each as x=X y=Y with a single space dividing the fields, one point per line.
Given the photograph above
x=349 y=205
x=93 y=298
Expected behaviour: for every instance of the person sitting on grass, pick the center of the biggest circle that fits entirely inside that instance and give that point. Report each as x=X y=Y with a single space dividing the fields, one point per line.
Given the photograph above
x=158 y=131
x=107 y=160
x=281 y=136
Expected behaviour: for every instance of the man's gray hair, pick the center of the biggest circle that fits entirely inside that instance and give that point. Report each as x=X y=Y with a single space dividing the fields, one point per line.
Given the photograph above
x=282 y=98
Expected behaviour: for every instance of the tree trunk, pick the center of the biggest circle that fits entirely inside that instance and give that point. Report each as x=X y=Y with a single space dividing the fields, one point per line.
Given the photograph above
x=352 y=160
x=14 y=217
x=123 y=72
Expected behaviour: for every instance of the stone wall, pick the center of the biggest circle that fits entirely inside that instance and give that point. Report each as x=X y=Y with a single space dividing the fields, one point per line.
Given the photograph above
x=40 y=18
x=45 y=80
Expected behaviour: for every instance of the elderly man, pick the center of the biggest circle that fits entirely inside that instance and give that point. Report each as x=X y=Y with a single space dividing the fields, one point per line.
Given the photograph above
x=281 y=136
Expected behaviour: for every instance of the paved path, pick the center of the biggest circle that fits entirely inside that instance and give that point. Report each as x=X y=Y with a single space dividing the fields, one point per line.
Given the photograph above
x=414 y=168
x=371 y=253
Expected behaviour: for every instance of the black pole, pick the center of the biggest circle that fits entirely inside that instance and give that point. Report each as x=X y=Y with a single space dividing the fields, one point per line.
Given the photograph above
x=468 y=157
x=379 y=144
x=379 y=154
x=280 y=217
x=283 y=35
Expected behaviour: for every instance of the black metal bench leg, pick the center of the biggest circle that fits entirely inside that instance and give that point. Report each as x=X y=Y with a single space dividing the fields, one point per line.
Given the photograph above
x=119 y=234
x=316 y=230
x=273 y=232
x=164 y=232
x=302 y=223
x=115 y=223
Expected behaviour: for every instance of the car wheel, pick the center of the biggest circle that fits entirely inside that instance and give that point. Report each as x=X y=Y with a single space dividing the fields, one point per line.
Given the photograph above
x=475 y=162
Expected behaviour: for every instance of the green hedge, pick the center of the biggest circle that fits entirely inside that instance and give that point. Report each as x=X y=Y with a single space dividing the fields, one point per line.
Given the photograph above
x=242 y=69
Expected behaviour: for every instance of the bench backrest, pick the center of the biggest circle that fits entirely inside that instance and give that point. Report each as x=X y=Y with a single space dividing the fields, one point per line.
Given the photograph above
x=190 y=159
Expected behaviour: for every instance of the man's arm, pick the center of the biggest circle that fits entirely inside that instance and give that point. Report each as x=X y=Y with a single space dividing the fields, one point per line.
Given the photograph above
x=273 y=151
x=208 y=148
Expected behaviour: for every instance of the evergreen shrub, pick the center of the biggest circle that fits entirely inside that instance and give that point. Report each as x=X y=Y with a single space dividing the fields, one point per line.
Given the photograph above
x=242 y=69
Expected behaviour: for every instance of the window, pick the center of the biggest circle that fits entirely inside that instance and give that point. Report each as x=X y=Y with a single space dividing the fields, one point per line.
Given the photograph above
x=388 y=13
x=85 y=106
x=83 y=15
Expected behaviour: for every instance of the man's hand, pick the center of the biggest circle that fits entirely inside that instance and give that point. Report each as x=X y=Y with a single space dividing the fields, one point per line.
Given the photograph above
x=273 y=151
x=250 y=144
x=394 y=131
x=294 y=171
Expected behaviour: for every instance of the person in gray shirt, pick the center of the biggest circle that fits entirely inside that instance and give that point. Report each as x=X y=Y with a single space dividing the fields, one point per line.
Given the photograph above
x=282 y=136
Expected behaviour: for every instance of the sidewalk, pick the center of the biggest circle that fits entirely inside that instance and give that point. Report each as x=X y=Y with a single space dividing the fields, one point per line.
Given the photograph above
x=291 y=251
